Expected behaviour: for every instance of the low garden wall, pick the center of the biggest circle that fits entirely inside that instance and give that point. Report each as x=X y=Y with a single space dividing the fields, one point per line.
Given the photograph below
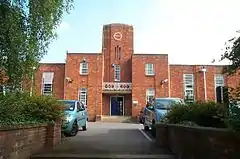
x=22 y=141
x=199 y=142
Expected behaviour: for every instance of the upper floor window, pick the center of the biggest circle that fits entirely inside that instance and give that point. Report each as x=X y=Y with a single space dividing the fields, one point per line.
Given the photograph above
x=188 y=80
x=149 y=69
x=47 y=83
x=150 y=95
x=82 y=95
x=117 y=73
x=117 y=52
x=83 y=68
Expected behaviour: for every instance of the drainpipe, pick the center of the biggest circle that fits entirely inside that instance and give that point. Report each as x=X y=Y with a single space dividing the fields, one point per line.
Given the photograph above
x=169 y=80
x=205 y=84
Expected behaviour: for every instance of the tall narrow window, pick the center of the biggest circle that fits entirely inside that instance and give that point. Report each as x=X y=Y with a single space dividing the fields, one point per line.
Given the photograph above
x=83 y=68
x=188 y=87
x=219 y=86
x=150 y=94
x=117 y=52
x=117 y=73
x=47 y=83
x=149 y=69
x=82 y=95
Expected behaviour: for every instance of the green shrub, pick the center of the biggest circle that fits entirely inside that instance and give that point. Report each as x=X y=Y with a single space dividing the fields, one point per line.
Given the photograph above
x=203 y=114
x=20 y=108
x=233 y=119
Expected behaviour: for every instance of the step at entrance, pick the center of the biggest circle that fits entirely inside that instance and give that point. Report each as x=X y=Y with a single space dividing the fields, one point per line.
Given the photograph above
x=106 y=156
x=118 y=119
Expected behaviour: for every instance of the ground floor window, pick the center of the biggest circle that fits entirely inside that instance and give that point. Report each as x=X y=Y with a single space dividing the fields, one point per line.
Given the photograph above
x=150 y=95
x=82 y=95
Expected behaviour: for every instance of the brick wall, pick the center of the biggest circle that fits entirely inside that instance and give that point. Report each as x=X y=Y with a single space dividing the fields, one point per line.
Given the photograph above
x=90 y=81
x=141 y=82
x=22 y=142
x=177 y=83
x=198 y=142
x=126 y=45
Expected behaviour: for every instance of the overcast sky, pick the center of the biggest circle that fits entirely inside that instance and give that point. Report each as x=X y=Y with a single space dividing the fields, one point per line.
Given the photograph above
x=190 y=31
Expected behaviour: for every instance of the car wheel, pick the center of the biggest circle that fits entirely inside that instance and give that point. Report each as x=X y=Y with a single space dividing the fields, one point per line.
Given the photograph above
x=153 y=127
x=74 y=129
x=146 y=128
x=85 y=126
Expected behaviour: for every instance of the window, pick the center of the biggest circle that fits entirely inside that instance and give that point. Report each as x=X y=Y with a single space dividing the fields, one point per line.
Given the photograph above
x=83 y=95
x=117 y=52
x=150 y=95
x=219 y=80
x=47 y=83
x=83 y=68
x=117 y=73
x=78 y=106
x=188 y=87
x=219 y=87
x=149 y=69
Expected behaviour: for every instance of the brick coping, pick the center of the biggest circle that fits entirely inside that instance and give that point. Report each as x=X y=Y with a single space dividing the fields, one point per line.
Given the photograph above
x=21 y=126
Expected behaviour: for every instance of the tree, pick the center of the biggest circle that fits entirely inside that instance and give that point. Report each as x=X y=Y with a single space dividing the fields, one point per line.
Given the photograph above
x=232 y=53
x=27 y=27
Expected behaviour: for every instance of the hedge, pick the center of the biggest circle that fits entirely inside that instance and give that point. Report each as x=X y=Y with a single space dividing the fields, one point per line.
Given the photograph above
x=20 y=108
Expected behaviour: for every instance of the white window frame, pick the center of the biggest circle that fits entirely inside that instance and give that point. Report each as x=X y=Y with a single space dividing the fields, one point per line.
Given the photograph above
x=83 y=95
x=117 y=73
x=149 y=69
x=217 y=78
x=150 y=93
x=187 y=82
x=83 y=68
x=47 y=84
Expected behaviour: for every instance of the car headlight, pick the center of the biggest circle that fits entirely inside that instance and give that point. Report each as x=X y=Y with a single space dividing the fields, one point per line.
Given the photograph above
x=68 y=118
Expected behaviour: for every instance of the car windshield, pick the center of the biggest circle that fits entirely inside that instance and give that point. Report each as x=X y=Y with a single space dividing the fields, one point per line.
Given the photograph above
x=166 y=103
x=69 y=105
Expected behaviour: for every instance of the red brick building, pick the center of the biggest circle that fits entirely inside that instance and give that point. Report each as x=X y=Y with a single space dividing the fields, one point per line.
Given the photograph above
x=118 y=81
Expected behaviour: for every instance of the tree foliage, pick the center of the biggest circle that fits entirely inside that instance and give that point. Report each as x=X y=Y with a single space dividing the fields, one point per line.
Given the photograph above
x=27 y=27
x=232 y=53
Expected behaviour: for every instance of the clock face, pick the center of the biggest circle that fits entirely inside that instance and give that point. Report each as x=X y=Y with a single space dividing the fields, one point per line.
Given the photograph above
x=117 y=36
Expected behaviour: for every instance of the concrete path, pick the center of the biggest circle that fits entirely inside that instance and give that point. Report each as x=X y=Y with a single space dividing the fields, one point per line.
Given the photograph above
x=108 y=140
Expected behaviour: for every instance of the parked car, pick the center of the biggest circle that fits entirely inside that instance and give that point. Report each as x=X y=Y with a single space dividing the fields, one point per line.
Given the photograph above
x=75 y=117
x=158 y=110
x=141 y=116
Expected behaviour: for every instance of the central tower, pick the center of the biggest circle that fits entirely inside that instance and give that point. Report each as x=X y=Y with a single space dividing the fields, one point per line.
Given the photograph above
x=117 y=47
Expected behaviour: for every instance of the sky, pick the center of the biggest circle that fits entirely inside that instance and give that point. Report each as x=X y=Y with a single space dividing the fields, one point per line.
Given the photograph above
x=189 y=31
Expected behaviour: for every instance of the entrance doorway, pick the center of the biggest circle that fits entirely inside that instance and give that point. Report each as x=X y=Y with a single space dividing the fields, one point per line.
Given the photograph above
x=116 y=105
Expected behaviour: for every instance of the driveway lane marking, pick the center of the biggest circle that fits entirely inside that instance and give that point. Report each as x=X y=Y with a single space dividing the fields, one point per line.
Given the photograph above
x=145 y=135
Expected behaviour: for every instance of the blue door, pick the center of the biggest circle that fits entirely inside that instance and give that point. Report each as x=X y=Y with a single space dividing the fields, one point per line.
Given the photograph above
x=116 y=106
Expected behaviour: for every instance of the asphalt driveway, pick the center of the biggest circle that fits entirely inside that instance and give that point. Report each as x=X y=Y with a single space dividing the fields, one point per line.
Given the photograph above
x=108 y=140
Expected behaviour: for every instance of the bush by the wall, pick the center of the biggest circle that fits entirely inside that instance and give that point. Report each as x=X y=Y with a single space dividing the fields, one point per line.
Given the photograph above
x=208 y=114
x=20 y=108
x=233 y=120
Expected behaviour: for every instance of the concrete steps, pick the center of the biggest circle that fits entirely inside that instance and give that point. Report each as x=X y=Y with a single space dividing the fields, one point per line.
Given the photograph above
x=106 y=156
x=118 y=119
